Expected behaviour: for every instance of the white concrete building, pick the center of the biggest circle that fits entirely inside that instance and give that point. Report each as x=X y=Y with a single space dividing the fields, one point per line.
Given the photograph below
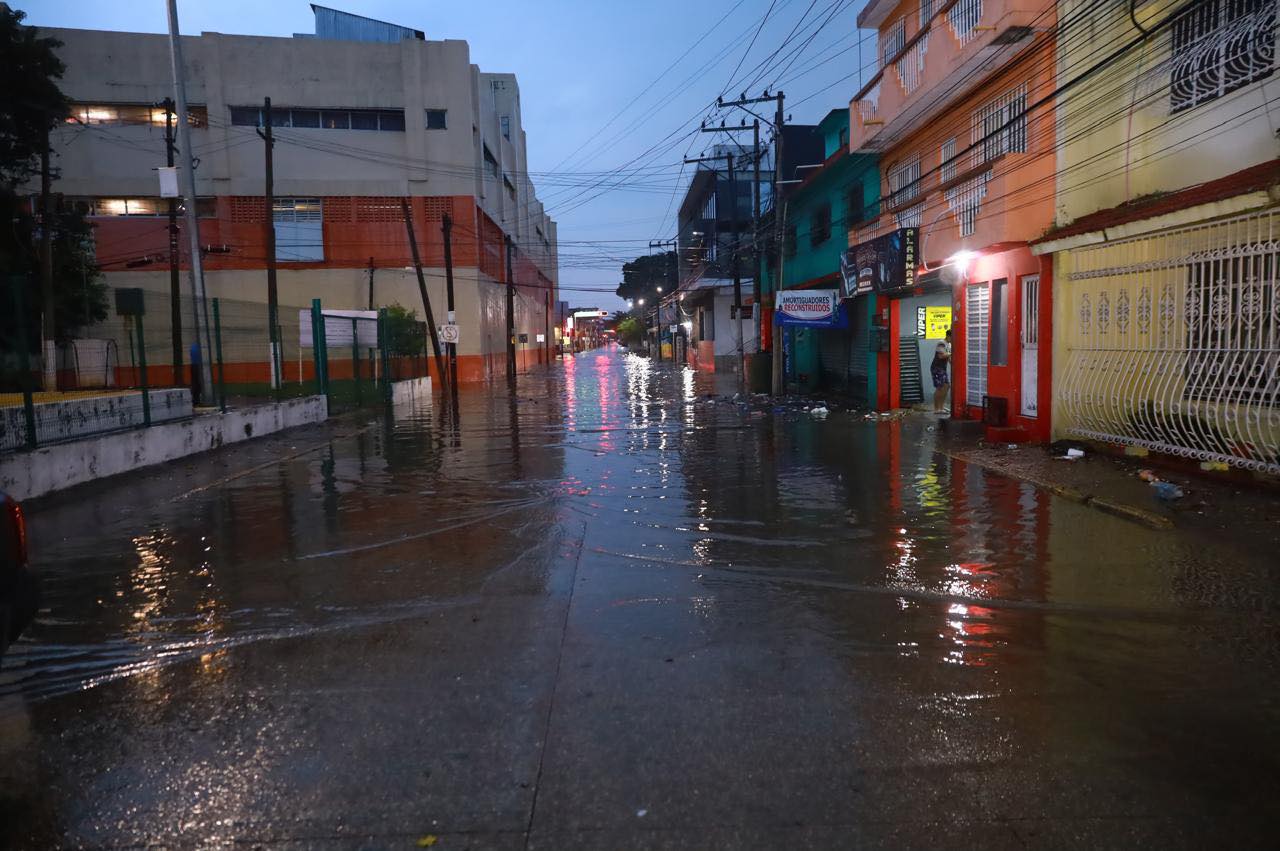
x=364 y=113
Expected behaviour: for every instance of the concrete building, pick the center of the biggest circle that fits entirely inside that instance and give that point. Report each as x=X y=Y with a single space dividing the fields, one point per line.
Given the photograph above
x=1166 y=301
x=365 y=113
x=960 y=115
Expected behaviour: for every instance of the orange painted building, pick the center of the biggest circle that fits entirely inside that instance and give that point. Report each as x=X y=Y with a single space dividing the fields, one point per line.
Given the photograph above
x=960 y=113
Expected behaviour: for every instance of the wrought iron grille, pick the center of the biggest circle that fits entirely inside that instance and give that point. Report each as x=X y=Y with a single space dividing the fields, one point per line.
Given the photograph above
x=1173 y=342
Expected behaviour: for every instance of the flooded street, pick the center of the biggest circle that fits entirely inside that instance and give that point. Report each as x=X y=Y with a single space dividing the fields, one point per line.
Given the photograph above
x=613 y=612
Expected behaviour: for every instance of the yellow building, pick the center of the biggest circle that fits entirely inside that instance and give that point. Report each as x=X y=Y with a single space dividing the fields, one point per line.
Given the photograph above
x=1167 y=231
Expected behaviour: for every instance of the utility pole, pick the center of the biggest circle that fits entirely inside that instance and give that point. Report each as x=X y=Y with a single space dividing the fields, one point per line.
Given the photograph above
x=511 y=316
x=546 y=317
x=422 y=290
x=188 y=175
x=779 y=230
x=745 y=103
x=48 y=327
x=175 y=290
x=446 y=229
x=371 y=268
x=757 y=290
x=269 y=239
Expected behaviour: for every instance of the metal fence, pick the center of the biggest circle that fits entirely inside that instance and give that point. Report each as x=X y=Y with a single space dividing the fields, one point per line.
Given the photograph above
x=131 y=371
x=1173 y=341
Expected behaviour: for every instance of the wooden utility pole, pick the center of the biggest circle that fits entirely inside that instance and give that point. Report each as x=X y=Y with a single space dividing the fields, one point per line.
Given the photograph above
x=175 y=289
x=446 y=229
x=511 y=315
x=779 y=231
x=757 y=288
x=422 y=290
x=269 y=239
x=736 y=232
x=48 y=327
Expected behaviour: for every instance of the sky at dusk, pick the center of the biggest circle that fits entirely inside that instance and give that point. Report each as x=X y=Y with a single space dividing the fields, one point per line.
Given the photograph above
x=611 y=92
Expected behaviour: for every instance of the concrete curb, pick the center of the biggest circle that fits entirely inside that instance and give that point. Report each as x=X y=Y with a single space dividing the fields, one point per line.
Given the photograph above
x=1133 y=513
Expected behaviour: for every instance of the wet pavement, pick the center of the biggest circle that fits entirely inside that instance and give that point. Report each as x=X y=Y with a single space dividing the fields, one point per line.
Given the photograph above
x=609 y=612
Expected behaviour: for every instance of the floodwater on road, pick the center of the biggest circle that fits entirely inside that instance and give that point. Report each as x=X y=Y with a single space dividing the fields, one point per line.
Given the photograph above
x=612 y=611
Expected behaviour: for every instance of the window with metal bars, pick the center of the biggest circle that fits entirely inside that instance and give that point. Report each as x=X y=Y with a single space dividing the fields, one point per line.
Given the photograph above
x=1218 y=46
x=894 y=39
x=904 y=181
x=1000 y=126
x=947 y=157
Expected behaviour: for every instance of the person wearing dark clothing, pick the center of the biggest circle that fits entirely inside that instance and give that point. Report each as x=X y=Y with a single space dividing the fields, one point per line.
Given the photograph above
x=941 y=377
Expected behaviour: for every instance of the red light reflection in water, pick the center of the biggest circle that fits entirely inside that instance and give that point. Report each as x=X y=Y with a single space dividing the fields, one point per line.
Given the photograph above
x=570 y=394
x=608 y=402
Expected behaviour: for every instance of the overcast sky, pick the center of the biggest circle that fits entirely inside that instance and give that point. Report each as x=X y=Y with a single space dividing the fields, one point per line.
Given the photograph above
x=580 y=64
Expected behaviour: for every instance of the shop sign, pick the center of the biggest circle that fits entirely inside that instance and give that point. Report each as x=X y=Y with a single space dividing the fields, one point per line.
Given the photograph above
x=937 y=321
x=886 y=264
x=808 y=305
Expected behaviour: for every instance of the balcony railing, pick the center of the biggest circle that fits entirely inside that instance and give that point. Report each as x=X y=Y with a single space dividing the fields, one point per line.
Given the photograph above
x=910 y=66
x=964 y=17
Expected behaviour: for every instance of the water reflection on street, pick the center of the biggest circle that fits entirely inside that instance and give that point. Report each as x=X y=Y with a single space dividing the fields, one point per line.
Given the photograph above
x=614 y=591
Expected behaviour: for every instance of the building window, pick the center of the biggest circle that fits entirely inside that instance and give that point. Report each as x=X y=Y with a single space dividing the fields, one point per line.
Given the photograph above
x=510 y=187
x=1000 y=322
x=506 y=126
x=789 y=241
x=820 y=224
x=904 y=181
x=1000 y=126
x=490 y=163
x=1219 y=46
x=891 y=44
x=126 y=114
x=910 y=217
x=436 y=119
x=206 y=208
x=947 y=157
x=299 y=227
x=926 y=11
x=391 y=120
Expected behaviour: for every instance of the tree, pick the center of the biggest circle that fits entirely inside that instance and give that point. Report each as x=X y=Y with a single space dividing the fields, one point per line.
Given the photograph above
x=629 y=330
x=405 y=334
x=642 y=276
x=31 y=104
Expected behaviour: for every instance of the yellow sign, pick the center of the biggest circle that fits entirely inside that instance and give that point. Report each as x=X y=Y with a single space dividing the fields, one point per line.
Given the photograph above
x=937 y=321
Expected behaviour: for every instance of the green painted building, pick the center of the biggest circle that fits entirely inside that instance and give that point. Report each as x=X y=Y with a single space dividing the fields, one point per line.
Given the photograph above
x=835 y=195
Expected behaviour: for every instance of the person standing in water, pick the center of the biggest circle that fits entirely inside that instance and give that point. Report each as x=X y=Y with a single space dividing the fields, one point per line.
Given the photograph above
x=941 y=378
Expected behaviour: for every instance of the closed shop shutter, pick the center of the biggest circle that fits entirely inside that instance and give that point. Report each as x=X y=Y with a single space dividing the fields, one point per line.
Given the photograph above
x=833 y=355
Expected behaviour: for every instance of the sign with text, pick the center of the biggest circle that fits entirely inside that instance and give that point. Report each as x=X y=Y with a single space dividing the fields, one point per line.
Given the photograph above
x=937 y=321
x=808 y=305
x=886 y=264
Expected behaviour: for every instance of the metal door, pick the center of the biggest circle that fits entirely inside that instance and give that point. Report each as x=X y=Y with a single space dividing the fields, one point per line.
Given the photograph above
x=1030 y=344
x=977 y=330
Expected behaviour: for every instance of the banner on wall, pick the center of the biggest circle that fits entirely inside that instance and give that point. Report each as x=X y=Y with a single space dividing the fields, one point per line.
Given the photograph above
x=937 y=321
x=813 y=308
x=886 y=264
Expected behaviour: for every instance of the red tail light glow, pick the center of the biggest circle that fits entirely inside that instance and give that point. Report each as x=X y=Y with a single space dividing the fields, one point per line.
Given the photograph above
x=12 y=517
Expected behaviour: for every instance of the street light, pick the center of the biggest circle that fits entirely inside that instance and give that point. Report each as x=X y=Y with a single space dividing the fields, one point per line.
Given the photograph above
x=659 y=289
x=640 y=302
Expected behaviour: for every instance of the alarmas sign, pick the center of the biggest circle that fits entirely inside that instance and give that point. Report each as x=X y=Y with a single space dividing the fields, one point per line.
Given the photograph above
x=808 y=305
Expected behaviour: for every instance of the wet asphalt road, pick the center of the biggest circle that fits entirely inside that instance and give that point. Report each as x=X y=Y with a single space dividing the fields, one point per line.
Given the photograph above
x=609 y=613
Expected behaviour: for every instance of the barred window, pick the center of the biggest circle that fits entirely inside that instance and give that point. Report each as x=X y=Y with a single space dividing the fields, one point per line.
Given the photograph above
x=904 y=181
x=893 y=41
x=1000 y=126
x=299 y=227
x=1219 y=46
x=820 y=224
x=1232 y=316
x=947 y=157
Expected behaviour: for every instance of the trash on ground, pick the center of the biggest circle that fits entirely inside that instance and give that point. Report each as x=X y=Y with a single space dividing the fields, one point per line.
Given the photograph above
x=820 y=413
x=427 y=841
x=1148 y=476
x=1073 y=454
x=1167 y=490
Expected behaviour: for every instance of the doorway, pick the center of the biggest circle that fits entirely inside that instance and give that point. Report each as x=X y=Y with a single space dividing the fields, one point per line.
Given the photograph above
x=1030 y=344
x=977 y=325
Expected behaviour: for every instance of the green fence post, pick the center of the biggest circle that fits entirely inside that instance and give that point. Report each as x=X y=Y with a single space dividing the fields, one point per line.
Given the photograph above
x=217 y=352
x=142 y=365
x=24 y=359
x=355 y=357
x=320 y=347
x=384 y=357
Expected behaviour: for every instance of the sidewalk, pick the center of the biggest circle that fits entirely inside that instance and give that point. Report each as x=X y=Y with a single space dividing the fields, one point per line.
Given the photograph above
x=1111 y=483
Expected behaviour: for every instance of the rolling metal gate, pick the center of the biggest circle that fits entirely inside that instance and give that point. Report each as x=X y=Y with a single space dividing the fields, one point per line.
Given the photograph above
x=1173 y=342
x=844 y=356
